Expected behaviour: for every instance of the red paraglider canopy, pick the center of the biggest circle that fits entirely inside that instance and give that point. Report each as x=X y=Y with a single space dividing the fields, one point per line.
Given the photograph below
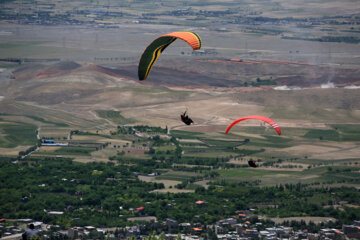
x=265 y=119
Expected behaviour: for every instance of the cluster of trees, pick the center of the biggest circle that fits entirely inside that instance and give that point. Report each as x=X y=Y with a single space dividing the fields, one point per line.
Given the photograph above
x=140 y=128
x=98 y=193
x=260 y=82
x=29 y=150
x=345 y=39
x=146 y=128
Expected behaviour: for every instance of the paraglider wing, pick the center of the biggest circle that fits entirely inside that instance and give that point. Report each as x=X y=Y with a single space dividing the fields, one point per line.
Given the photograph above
x=153 y=51
x=265 y=119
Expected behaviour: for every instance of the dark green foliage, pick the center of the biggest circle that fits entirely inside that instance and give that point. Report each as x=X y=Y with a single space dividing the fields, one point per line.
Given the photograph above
x=259 y=82
x=99 y=189
x=54 y=184
x=142 y=128
x=29 y=150
x=74 y=151
x=338 y=39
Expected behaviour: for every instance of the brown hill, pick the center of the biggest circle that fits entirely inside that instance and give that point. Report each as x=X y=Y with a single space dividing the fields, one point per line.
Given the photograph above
x=169 y=77
x=62 y=82
x=70 y=82
x=81 y=89
x=58 y=69
x=208 y=73
x=41 y=71
x=317 y=98
x=182 y=71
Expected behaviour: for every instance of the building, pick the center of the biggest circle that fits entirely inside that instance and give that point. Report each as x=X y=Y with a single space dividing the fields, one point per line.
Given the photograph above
x=133 y=231
x=171 y=224
x=186 y=227
x=228 y=221
x=201 y=203
x=55 y=213
x=267 y=235
x=351 y=231
x=331 y=233
x=197 y=230
x=280 y=232
x=229 y=236
x=251 y=233
x=73 y=233
x=140 y=210
x=301 y=235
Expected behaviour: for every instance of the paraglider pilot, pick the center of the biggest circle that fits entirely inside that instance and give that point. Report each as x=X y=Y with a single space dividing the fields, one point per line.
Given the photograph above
x=252 y=163
x=31 y=233
x=185 y=118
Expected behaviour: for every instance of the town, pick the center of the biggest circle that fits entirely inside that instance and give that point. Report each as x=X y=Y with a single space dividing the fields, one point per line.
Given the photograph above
x=226 y=229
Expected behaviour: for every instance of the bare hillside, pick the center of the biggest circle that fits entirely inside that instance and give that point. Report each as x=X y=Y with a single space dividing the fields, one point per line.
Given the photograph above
x=81 y=89
x=218 y=72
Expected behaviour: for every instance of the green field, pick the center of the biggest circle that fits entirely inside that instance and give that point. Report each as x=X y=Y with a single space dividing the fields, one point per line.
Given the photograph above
x=185 y=134
x=348 y=132
x=114 y=116
x=331 y=135
x=248 y=173
x=17 y=134
x=220 y=143
x=272 y=142
x=74 y=151
x=47 y=115
x=324 y=175
x=39 y=119
x=213 y=150
x=177 y=176
x=34 y=50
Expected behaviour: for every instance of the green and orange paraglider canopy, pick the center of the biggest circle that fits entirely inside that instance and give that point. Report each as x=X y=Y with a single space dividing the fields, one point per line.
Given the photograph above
x=153 y=51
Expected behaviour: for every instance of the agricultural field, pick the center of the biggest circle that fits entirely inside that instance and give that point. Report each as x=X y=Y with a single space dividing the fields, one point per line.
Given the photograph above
x=278 y=162
x=15 y=134
x=114 y=116
x=299 y=155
